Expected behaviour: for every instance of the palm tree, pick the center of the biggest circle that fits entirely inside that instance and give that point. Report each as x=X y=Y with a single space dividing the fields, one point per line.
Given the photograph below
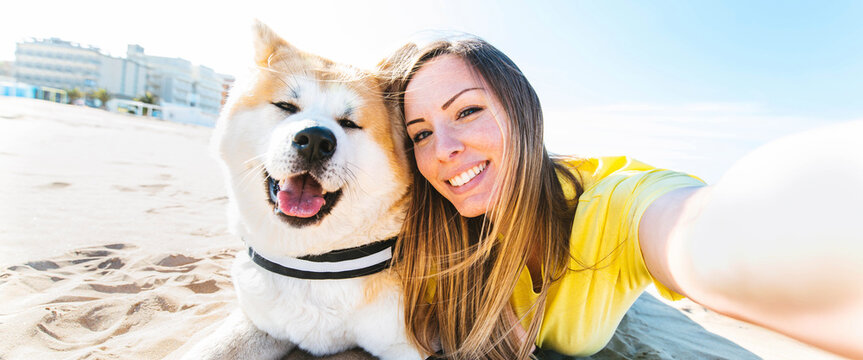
x=100 y=94
x=73 y=94
x=148 y=98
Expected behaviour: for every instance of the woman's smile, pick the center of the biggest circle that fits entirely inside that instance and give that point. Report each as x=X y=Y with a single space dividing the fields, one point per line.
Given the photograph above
x=465 y=180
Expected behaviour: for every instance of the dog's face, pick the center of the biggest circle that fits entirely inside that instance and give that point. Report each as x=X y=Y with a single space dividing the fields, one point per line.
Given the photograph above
x=312 y=153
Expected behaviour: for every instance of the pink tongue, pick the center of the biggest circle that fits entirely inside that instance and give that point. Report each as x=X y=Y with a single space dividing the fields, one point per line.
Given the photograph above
x=303 y=197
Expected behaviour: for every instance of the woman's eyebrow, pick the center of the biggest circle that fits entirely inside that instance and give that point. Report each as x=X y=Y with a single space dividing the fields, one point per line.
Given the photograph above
x=414 y=121
x=448 y=102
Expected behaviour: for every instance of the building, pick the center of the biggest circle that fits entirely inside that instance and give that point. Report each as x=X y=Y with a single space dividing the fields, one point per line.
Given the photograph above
x=177 y=81
x=58 y=64
x=65 y=65
x=123 y=78
x=7 y=71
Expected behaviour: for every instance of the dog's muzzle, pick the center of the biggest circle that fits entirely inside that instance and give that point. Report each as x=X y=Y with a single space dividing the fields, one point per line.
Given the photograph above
x=300 y=199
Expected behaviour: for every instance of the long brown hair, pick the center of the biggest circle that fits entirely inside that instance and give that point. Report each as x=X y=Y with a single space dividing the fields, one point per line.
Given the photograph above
x=459 y=273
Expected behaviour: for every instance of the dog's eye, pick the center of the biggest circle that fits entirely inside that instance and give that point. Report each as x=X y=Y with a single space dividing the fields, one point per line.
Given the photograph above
x=287 y=107
x=347 y=124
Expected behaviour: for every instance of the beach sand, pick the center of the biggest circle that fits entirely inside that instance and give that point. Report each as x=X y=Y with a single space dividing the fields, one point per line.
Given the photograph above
x=115 y=247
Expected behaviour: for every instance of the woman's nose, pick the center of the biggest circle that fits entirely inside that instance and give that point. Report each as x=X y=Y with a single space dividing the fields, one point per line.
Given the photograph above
x=447 y=145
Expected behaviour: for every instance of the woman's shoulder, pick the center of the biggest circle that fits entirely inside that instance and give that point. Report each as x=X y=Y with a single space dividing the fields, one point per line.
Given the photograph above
x=590 y=170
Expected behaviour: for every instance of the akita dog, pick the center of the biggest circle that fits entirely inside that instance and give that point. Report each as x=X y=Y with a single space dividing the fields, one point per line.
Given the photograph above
x=317 y=182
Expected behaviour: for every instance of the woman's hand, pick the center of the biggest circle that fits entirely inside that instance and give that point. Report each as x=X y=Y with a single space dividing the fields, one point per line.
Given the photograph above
x=777 y=241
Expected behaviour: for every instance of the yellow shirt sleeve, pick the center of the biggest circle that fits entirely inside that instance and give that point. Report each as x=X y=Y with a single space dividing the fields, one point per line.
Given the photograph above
x=605 y=229
x=607 y=270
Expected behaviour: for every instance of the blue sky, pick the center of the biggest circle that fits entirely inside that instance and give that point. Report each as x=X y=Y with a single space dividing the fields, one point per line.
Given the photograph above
x=791 y=57
x=697 y=64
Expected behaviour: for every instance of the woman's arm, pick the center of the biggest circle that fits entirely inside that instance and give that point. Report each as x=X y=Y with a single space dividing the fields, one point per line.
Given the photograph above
x=777 y=241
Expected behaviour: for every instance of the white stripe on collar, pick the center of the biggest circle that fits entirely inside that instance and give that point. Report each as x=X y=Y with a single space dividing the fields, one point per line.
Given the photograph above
x=338 y=266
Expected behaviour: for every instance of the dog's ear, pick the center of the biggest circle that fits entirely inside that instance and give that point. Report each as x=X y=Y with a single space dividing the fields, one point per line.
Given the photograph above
x=267 y=42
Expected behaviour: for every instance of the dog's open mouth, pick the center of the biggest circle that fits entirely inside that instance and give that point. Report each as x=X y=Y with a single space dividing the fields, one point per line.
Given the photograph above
x=300 y=200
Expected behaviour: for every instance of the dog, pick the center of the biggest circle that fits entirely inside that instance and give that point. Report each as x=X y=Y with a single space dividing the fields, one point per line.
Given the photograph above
x=317 y=182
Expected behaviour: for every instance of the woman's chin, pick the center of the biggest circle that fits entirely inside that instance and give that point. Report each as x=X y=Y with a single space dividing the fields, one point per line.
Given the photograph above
x=473 y=207
x=470 y=213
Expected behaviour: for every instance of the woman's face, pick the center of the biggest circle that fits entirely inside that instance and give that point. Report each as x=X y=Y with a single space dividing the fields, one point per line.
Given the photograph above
x=457 y=127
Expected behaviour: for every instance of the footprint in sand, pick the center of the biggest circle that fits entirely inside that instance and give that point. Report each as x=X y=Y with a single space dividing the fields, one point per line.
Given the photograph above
x=161 y=166
x=175 y=263
x=204 y=287
x=94 y=322
x=43 y=265
x=112 y=263
x=150 y=188
x=124 y=188
x=159 y=210
x=91 y=297
x=153 y=188
x=55 y=185
x=177 y=260
x=120 y=288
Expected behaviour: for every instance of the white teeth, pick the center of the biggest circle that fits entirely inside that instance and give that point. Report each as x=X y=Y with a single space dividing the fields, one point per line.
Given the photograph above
x=466 y=176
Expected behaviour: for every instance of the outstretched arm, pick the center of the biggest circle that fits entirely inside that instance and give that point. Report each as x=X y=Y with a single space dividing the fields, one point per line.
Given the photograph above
x=776 y=242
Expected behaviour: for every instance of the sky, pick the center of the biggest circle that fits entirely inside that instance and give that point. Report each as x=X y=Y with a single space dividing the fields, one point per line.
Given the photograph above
x=754 y=70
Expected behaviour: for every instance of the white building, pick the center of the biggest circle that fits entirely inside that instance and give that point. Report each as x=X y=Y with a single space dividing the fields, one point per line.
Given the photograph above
x=177 y=81
x=65 y=65
x=122 y=78
x=57 y=63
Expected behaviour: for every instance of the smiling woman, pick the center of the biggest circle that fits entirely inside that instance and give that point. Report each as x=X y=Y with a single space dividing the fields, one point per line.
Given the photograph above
x=506 y=250
x=481 y=169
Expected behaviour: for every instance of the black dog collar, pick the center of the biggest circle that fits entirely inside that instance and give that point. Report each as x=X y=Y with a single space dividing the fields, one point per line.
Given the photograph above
x=338 y=264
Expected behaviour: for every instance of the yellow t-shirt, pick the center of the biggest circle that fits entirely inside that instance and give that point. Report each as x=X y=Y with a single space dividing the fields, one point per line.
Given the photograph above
x=585 y=306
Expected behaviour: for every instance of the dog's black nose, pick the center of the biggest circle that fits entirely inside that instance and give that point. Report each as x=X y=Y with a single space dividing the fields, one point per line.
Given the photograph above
x=315 y=143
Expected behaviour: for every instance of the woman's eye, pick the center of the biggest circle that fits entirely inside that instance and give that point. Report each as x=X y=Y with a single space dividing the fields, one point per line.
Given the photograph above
x=287 y=107
x=469 y=111
x=345 y=123
x=420 y=136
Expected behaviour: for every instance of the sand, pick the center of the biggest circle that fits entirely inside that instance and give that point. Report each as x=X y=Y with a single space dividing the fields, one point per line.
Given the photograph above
x=115 y=247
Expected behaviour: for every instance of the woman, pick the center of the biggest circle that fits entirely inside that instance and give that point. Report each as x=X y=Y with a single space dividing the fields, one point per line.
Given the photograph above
x=505 y=247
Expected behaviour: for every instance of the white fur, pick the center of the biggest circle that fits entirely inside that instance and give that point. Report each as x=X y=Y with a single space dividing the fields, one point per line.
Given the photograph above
x=278 y=312
x=249 y=136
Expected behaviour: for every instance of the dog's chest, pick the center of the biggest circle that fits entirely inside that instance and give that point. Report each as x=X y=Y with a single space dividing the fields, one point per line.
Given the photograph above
x=317 y=314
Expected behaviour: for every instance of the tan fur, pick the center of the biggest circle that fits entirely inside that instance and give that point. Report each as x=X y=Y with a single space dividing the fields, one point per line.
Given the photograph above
x=282 y=58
